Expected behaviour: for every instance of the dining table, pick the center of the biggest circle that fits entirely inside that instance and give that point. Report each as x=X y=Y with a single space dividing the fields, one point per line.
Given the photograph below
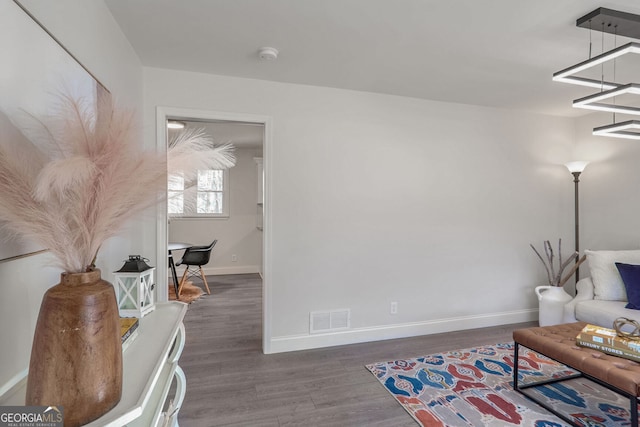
x=175 y=246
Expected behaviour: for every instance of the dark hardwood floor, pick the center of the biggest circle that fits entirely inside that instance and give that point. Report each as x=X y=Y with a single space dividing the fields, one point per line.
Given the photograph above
x=231 y=383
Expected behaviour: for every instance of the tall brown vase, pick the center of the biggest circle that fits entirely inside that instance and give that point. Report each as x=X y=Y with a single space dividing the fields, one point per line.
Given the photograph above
x=76 y=357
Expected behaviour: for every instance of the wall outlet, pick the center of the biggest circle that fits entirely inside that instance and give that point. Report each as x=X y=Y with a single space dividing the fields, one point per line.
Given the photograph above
x=394 y=307
x=234 y=258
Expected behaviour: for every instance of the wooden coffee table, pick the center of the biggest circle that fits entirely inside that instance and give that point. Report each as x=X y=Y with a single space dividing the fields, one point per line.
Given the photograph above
x=559 y=343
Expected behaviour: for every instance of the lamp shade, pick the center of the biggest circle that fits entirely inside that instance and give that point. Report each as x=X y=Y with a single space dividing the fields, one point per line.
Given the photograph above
x=577 y=166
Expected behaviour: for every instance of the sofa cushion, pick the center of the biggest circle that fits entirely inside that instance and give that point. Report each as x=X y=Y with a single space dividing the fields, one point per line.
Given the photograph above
x=630 y=274
x=604 y=313
x=607 y=282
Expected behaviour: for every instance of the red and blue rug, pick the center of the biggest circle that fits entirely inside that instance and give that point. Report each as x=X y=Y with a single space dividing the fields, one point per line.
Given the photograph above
x=473 y=387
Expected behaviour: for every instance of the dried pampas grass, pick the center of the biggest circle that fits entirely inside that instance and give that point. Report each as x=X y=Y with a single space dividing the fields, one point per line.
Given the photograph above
x=81 y=176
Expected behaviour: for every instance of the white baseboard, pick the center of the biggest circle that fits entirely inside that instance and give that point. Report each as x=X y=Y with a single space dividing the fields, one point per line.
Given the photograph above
x=219 y=271
x=386 y=332
x=242 y=269
x=16 y=380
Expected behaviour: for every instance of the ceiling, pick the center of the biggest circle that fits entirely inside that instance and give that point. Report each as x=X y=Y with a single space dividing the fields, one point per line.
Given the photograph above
x=497 y=53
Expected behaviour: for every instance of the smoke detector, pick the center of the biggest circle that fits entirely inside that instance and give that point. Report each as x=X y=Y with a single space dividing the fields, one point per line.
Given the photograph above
x=268 y=53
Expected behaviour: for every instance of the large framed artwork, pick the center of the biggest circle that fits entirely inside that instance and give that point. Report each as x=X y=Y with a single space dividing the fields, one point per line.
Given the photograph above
x=34 y=71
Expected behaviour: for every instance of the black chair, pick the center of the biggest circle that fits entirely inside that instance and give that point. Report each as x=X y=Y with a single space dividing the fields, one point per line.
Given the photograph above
x=195 y=256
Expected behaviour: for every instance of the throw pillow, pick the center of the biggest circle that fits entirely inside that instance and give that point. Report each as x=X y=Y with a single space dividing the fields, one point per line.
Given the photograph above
x=607 y=282
x=631 y=277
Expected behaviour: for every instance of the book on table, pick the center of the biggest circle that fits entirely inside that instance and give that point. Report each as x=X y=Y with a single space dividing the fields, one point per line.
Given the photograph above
x=128 y=330
x=607 y=341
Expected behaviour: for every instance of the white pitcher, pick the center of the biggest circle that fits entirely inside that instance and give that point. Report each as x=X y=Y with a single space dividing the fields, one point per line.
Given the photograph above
x=551 y=308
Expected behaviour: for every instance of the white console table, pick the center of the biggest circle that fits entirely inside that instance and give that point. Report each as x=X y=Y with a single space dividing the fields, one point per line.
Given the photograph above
x=150 y=364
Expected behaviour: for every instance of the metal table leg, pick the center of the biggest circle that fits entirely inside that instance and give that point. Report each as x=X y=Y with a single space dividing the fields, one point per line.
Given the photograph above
x=174 y=275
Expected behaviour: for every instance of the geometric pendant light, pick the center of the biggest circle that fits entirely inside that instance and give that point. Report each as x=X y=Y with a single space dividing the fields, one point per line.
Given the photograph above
x=619 y=23
x=629 y=129
x=568 y=74
x=595 y=101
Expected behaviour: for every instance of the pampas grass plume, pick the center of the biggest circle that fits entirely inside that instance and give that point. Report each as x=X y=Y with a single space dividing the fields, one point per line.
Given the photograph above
x=75 y=181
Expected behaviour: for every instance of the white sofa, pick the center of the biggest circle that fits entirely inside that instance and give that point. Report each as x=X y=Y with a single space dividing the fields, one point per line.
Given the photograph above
x=602 y=297
x=595 y=311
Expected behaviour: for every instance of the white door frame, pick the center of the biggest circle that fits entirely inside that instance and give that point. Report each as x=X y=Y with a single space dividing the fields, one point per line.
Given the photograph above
x=162 y=114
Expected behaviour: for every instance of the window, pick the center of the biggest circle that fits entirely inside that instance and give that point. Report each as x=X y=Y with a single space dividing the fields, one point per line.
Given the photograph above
x=208 y=197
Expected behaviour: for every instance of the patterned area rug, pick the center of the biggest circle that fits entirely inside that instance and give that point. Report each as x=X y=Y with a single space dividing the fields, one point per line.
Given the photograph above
x=473 y=387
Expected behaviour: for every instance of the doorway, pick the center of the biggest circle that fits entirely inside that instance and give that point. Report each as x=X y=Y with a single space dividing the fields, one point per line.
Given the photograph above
x=247 y=250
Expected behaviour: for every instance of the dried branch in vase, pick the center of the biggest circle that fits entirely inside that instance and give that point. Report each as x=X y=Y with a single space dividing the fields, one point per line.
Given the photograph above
x=554 y=277
x=77 y=181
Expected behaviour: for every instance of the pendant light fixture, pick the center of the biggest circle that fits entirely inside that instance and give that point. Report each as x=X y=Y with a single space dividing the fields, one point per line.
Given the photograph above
x=629 y=129
x=617 y=23
x=593 y=101
x=568 y=74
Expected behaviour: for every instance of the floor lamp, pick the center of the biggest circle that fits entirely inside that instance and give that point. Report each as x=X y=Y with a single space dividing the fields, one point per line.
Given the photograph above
x=576 y=169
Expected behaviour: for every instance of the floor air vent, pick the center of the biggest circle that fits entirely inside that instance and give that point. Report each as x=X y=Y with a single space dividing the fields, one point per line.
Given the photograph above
x=329 y=321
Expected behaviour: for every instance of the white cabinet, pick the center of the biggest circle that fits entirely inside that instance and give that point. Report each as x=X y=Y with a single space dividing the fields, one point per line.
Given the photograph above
x=150 y=364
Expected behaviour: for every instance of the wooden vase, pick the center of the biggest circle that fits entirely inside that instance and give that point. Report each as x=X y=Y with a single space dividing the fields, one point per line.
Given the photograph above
x=76 y=357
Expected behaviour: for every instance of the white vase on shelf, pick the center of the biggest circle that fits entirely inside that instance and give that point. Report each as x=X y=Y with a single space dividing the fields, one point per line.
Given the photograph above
x=551 y=304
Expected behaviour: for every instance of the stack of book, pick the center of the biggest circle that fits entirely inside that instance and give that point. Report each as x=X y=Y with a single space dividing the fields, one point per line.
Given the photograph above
x=608 y=341
x=128 y=330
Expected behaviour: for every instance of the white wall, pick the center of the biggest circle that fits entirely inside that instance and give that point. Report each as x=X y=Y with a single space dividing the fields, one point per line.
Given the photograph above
x=237 y=234
x=609 y=201
x=90 y=33
x=376 y=198
x=88 y=30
